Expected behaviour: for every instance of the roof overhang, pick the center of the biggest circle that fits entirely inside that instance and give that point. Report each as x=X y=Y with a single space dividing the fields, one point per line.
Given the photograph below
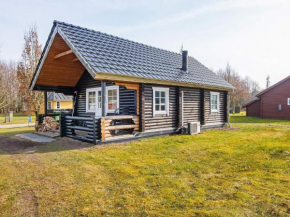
x=134 y=79
x=251 y=102
x=59 y=65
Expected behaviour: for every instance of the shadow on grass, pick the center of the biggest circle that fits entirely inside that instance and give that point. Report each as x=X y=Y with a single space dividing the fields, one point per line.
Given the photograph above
x=15 y=145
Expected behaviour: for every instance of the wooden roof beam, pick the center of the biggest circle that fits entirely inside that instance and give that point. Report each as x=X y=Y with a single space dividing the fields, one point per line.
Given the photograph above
x=75 y=59
x=63 y=54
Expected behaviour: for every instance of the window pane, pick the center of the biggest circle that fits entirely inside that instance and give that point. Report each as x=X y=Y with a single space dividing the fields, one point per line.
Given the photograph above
x=99 y=99
x=162 y=100
x=156 y=107
x=157 y=93
x=112 y=99
x=92 y=100
x=163 y=108
x=157 y=101
x=162 y=94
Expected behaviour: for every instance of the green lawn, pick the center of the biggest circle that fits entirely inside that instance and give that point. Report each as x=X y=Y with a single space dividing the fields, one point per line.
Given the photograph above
x=17 y=119
x=244 y=171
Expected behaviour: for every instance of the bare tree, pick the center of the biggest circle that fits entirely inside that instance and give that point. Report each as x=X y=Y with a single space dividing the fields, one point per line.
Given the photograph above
x=25 y=70
x=245 y=88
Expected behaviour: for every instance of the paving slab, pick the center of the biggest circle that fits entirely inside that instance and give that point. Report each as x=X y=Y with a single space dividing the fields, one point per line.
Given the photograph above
x=35 y=138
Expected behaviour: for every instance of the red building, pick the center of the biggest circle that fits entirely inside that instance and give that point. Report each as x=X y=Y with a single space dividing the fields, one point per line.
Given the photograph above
x=273 y=102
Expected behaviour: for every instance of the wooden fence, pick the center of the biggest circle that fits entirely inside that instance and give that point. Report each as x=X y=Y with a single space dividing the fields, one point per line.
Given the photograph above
x=82 y=128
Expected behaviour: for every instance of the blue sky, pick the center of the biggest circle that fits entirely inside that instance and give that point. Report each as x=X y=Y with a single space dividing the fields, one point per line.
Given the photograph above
x=252 y=35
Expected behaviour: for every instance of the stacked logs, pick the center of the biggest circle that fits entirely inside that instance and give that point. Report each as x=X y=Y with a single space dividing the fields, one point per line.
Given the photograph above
x=48 y=124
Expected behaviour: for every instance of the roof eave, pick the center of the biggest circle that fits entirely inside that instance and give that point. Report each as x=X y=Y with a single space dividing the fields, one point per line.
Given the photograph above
x=136 y=79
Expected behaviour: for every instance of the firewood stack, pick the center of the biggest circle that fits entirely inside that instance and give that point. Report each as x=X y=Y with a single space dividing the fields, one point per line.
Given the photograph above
x=49 y=124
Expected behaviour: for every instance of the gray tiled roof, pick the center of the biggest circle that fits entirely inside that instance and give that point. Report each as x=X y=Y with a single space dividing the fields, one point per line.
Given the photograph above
x=100 y=52
x=52 y=96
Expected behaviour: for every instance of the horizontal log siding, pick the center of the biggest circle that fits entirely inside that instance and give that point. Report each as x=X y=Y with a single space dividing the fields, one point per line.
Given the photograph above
x=160 y=121
x=71 y=126
x=126 y=97
x=215 y=117
x=191 y=105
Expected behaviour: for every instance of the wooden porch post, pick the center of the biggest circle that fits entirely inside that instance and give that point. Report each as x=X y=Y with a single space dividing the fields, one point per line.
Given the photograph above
x=45 y=102
x=104 y=97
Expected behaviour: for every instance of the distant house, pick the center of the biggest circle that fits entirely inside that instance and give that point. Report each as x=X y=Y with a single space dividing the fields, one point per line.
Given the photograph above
x=59 y=101
x=126 y=89
x=273 y=102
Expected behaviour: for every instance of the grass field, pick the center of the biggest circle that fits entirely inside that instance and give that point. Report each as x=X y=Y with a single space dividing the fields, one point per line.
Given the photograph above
x=17 y=119
x=244 y=171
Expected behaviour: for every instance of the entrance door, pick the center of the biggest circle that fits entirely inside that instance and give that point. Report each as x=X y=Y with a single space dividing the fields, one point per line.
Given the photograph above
x=99 y=102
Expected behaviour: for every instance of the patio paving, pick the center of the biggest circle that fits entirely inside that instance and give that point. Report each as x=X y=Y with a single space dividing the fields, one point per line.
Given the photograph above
x=35 y=138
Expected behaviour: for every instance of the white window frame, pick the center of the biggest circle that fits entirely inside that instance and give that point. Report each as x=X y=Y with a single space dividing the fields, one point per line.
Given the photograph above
x=115 y=87
x=218 y=102
x=288 y=101
x=87 y=99
x=166 y=90
x=56 y=105
x=49 y=105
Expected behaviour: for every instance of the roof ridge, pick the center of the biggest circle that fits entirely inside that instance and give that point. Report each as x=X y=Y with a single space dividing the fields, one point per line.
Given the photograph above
x=92 y=30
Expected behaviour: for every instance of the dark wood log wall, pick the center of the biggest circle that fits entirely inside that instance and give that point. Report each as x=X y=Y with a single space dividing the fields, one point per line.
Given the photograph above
x=191 y=105
x=215 y=117
x=159 y=121
x=196 y=107
x=127 y=97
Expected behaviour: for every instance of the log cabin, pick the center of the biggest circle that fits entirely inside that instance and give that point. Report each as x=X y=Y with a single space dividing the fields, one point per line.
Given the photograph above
x=273 y=102
x=124 y=89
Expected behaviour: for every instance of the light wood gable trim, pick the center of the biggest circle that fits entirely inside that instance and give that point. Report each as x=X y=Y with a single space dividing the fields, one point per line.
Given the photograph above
x=132 y=86
x=133 y=79
x=78 y=55
x=43 y=58
x=63 y=54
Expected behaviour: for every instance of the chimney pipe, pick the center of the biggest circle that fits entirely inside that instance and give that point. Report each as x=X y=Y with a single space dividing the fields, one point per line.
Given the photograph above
x=184 y=60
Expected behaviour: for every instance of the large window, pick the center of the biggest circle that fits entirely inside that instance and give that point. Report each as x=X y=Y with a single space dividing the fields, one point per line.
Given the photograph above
x=160 y=101
x=214 y=101
x=57 y=105
x=94 y=99
x=48 y=105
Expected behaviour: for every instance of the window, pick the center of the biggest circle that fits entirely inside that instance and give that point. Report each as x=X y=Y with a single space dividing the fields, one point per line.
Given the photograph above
x=57 y=105
x=91 y=101
x=214 y=101
x=99 y=99
x=94 y=99
x=112 y=98
x=160 y=101
x=288 y=101
x=48 y=105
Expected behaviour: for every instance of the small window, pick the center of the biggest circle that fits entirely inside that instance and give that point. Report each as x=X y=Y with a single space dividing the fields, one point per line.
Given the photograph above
x=99 y=99
x=112 y=100
x=214 y=101
x=48 y=105
x=288 y=101
x=91 y=101
x=160 y=101
x=57 y=105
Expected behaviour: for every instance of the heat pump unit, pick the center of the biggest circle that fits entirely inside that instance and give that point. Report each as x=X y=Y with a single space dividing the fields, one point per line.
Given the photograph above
x=193 y=128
